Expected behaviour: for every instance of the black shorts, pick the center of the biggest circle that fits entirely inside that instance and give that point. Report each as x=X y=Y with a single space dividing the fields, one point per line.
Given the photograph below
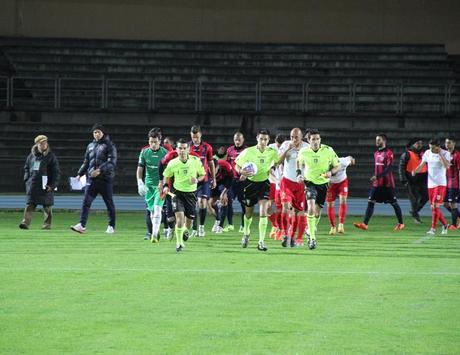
x=316 y=192
x=452 y=195
x=237 y=189
x=382 y=194
x=254 y=191
x=215 y=193
x=185 y=202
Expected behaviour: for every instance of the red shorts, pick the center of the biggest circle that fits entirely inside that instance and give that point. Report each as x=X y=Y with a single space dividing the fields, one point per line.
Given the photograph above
x=275 y=195
x=437 y=194
x=293 y=193
x=335 y=190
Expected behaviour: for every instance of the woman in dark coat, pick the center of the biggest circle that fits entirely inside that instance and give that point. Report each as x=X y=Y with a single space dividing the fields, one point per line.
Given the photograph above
x=41 y=176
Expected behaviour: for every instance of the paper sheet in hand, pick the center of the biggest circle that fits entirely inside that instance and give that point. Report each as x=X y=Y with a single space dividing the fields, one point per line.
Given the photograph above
x=45 y=182
x=76 y=184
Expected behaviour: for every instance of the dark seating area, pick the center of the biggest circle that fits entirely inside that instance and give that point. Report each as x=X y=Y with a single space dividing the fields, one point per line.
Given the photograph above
x=69 y=74
x=345 y=90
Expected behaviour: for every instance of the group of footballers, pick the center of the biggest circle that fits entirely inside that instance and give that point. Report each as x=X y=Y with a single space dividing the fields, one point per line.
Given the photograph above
x=290 y=180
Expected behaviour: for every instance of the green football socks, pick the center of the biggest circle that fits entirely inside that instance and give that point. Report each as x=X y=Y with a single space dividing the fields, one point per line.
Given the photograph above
x=263 y=222
x=312 y=226
x=247 y=225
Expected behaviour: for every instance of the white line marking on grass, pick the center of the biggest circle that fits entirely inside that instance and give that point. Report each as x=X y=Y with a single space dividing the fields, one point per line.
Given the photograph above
x=423 y=239
x=223 y=271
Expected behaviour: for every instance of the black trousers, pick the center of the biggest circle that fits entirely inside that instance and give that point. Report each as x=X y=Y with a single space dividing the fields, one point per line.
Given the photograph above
x=105 y=188
x=418 y=196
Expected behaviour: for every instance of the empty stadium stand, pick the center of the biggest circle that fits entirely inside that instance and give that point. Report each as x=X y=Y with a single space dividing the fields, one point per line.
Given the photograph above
x=61 y=86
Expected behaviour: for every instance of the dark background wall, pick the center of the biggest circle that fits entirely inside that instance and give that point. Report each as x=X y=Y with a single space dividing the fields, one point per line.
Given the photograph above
x=326 y=21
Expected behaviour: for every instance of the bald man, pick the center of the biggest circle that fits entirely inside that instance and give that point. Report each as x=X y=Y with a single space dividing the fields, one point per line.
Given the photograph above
x=293 y=216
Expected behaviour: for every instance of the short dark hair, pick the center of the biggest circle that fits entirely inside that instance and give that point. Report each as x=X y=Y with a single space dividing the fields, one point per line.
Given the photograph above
x=383 y=135
x=153 y=134
x=451 y=138
x=264 y=131
x=195 y=129
x=435 y=142
x=279 y=138
x=313 y=131
x=181 y=141
x=155 y=130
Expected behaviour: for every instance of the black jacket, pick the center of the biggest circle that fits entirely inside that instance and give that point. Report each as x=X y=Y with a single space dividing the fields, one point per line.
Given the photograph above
x=101 y=155
x=38 y=165
x=404 y=176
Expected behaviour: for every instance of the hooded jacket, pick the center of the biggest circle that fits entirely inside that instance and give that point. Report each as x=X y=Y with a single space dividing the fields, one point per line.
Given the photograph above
x=38 y=165
x=101 y=155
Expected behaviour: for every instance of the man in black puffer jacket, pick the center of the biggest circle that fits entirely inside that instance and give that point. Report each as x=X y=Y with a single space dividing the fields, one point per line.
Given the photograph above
x=41 y=176
x=99 y=167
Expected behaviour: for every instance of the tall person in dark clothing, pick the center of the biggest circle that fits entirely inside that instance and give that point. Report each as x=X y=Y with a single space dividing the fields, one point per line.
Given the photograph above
x=41 y=176
x=416 y=185
x=383 y=184
x=99 y=167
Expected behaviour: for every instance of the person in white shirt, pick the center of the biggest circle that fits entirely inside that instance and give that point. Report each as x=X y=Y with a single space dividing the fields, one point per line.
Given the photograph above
x=292 y=192
x=437 y=160
x=275 y=201
x=338 y=187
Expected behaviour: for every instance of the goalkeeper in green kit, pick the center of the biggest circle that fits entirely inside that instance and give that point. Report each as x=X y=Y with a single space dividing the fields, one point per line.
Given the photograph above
x=318 y=162
x=149 y=161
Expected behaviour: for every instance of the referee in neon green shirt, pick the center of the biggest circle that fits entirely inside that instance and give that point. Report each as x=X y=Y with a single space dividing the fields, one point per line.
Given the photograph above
x=187 y=170
x=318 y=162
x=256 y=187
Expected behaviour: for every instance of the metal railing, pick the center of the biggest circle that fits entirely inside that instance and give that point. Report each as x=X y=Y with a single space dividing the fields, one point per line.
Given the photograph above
x=95 y=94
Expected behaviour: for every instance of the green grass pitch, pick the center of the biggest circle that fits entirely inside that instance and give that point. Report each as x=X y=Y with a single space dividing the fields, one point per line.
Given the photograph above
x=364 y=292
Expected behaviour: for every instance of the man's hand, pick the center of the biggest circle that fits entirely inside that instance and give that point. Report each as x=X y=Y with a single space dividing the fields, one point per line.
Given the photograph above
x=373 y=178
x=327 y=175
x=95 y=173
x=213 y=184
x=193 y=180
x=48 y=188
x=165 y=190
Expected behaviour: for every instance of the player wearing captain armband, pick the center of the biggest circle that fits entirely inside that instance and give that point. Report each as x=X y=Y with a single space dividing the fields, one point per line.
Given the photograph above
x=254 y=164
x=293 y=218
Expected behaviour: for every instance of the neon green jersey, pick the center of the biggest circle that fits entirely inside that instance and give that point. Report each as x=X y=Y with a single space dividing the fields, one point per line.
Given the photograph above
x=150 y=161
x=317 y=163
x=264 y=161
x=183 y=172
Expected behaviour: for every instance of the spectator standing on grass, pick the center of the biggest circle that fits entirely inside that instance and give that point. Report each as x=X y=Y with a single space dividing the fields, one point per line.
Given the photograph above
x=41 y=176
